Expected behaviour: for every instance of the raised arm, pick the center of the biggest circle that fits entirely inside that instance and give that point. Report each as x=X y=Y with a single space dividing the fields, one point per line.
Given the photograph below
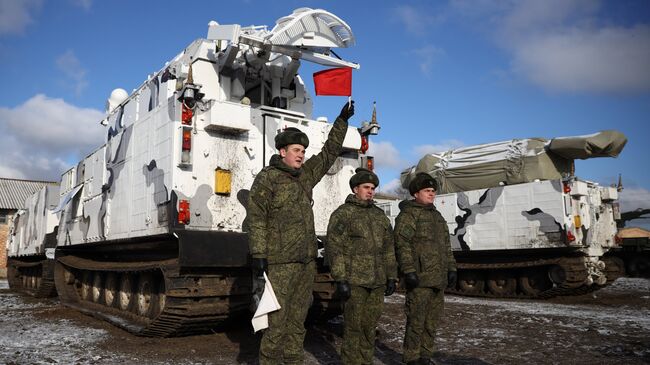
x=317 y=166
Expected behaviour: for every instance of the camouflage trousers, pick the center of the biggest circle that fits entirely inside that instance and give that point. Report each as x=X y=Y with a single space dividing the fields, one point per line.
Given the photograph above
x=361 y=313
x=282 y=342
x=424 y=307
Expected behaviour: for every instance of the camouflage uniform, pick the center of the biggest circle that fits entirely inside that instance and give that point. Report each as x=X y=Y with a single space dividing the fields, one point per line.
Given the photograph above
x=422 y=246
x=282 y=231
x=361 y=251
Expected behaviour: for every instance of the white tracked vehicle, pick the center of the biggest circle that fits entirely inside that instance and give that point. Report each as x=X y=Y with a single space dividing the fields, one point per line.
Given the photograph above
x=31 y=243
x=152 y=232
x=520 y=223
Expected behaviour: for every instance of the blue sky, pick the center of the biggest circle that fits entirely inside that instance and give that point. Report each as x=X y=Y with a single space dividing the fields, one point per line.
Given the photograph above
x=444 y=74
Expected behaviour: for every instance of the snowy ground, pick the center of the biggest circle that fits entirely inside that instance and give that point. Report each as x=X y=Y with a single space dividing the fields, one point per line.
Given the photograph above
x=611 y=326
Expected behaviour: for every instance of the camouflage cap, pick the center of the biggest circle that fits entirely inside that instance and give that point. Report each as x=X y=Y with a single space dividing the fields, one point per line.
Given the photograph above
x=363 y=176
x=422 y=181
x=289 y=136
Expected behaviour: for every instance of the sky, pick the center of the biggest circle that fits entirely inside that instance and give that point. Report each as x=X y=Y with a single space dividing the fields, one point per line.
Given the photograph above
x=444 y=74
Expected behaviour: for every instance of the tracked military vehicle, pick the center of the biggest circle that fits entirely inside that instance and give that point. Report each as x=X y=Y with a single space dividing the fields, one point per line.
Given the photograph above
x=31 y=243
x=520 y=223
x=633 y=248
x=152 y=232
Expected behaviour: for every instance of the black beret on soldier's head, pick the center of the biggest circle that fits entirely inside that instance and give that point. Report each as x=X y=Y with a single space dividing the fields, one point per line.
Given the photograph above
x=289 y=136
x=363 y=176
x=422 y=181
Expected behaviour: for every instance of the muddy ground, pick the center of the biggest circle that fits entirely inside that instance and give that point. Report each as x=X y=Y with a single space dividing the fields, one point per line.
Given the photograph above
x=611 y=326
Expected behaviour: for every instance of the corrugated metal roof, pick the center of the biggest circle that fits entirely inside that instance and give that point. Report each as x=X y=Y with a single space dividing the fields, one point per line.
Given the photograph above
x=14 y=192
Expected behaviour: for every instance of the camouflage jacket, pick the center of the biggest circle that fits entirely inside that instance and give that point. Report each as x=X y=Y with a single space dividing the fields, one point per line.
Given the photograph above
x=280 y=216
x=422 y=244
x=360 y=246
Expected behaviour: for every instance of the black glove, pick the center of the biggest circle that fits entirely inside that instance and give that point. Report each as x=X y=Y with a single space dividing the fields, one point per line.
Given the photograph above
x=347 y=111
x=259 y=266
x=412 y=280
x=452 y=278
x=343 y=290
x=390 y=287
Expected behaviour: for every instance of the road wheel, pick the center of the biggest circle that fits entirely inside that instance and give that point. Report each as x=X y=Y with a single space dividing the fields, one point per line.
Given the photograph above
x=471 y=281
x=502 y=283
x=25 y=278
x=162 y=297
x=86 y=285
x=534 y=281
x=68 y=276
x=146 y=295
x=110 y=289
x=97 y=287
x=126 y=292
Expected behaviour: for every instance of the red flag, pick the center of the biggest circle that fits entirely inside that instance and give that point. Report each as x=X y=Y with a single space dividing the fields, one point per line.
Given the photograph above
x=335 y=81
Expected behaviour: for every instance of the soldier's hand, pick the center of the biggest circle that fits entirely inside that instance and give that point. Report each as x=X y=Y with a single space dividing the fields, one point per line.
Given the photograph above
x=390 y=287
x=452 y=278
x=343 y=290
x=412 y=280
x=259 y=266
x=347 y=111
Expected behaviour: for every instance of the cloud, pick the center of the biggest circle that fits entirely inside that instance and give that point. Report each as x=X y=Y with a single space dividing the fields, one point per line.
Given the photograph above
x=576 y=60
x=426 y=56
x=84 y=4
x=433 y=148
x=566 y=45
x=633 y=198
x=394 y=188
x=386 y=155
x=41 y=135
x=414 y=20
x=69 y=64
x=16 y=15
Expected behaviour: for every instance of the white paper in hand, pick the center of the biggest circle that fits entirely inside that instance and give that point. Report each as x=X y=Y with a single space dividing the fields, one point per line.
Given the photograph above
x=268 y=303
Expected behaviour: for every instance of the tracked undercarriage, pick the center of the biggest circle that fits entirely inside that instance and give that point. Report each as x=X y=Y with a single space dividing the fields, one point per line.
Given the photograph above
x=161 y=296
x=151 y=296
x=32 y=275
x=536 y=278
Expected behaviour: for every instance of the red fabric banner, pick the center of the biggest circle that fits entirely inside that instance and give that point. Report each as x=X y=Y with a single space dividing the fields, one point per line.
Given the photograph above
x=335 y=81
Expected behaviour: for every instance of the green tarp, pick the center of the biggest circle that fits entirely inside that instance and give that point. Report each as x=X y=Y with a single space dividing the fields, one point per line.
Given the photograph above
x=513 y=162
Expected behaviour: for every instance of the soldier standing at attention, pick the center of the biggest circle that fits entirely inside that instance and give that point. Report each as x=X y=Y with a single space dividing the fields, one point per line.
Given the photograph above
x=424 y=255
x=282 y=237
x=361 y=253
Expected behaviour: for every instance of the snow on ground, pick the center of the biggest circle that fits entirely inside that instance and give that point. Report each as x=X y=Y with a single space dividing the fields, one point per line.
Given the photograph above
x=610 y=326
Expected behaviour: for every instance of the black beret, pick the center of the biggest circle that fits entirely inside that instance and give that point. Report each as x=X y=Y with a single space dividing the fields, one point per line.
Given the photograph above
x=363 y=176
x=289 y=136
x=422 y=181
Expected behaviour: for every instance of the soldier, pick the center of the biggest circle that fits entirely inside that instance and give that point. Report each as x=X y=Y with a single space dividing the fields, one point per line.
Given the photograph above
x=425 y=257
x=282 y=236
x=361 y=253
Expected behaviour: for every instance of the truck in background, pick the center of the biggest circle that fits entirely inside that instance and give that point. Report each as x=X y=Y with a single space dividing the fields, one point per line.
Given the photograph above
x=31 y=243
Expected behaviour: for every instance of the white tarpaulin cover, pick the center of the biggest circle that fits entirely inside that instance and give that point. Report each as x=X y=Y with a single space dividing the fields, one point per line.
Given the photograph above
x=268 y=303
